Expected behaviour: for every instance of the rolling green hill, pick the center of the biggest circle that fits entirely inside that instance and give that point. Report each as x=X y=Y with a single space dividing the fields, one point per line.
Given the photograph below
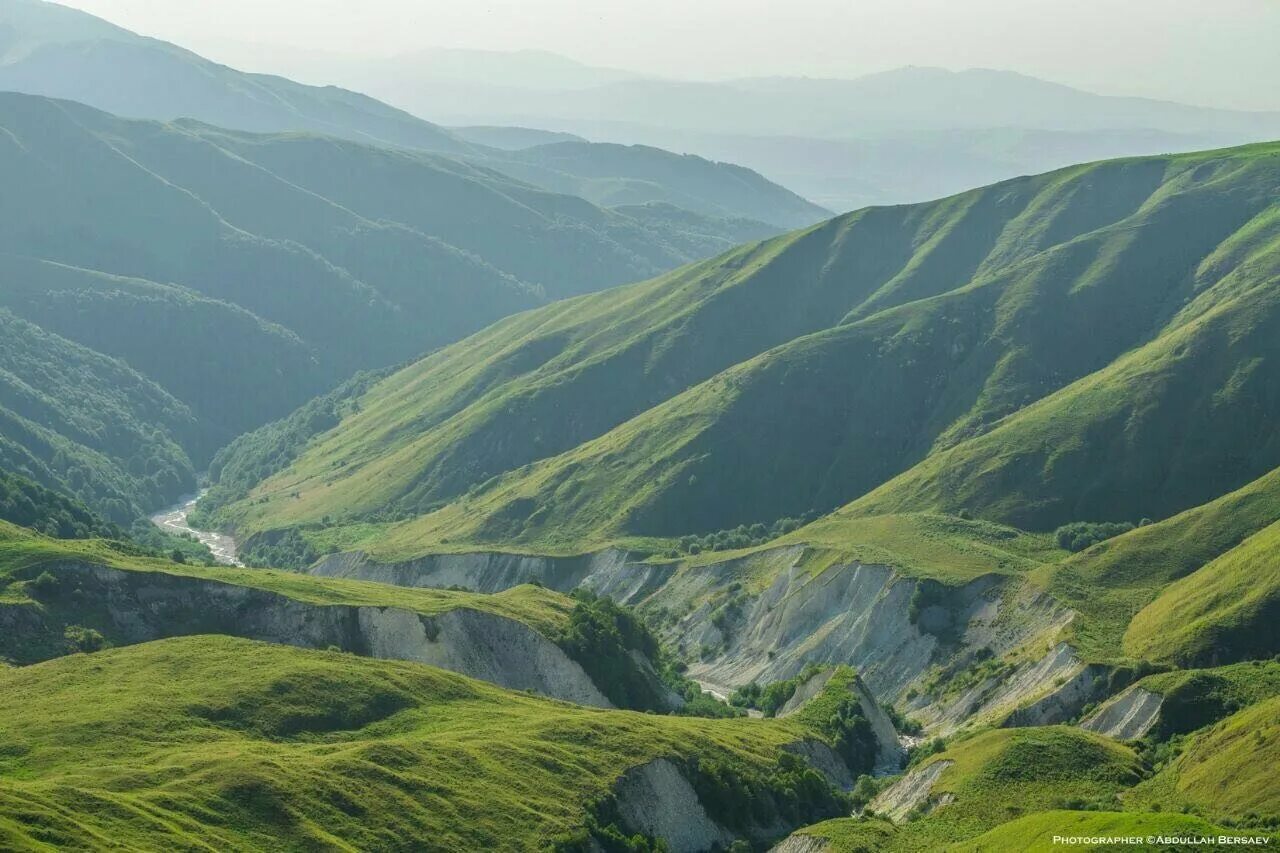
x=1110 y=583
x=1225 y=611
x=1227 y=768
x=1016 y=789
x=1034 y=353
x=215 y=743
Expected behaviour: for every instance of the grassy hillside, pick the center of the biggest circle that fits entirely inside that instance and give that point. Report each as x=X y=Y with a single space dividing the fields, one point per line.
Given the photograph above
x=993 y=778
x=1227 y=769
x=208 y=742
x=245 y=274
x=209 y=354
x=1195 y=698
x=1016 y=789
x=1112 y=582
x=1223 y=612
x=1032 y=353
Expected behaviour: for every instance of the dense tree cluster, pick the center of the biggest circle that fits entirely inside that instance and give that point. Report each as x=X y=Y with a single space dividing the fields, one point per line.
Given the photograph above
x=27 y=504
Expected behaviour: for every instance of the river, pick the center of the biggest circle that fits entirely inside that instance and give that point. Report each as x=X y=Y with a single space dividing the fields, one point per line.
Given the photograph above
x=174 y=520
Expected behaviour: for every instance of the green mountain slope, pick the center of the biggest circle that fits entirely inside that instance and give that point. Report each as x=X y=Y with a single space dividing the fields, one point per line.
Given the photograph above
x=211 y=742
x=27 y=504
x=245 y=274
x=1112 y=582
x=1227 y=768
x=89 y=426
x=1224 y=611
x=231 y=367
x=1015 y=790
x=1033 y=352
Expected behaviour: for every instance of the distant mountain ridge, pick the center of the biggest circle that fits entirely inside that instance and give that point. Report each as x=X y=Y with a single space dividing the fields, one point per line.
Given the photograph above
x=58 y=52
x=899 y=136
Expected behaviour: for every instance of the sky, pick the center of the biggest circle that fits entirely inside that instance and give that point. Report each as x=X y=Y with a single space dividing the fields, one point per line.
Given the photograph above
x=1224 y=53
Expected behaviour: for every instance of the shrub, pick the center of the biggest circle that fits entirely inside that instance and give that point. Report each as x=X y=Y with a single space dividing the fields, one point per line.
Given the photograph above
x=86 y=640
x=1079 y=535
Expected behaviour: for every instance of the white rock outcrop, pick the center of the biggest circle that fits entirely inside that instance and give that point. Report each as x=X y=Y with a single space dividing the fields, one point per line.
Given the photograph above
x=147 y=606
x=1128 y=716
x=909 y=793
x=655 y=799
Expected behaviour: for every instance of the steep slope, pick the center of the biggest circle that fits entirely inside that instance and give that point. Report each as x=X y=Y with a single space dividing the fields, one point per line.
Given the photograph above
x=215 y=742
x=231 y=367
x=1223 y=612
x=1227 y=768
x=1110 y=583
x=27 y=504
x=245 y=274
x=90 y=427
x=1033 y=352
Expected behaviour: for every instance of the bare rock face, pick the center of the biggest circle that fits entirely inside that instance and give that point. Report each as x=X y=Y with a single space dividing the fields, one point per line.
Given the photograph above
x=801 y=844
x=1128 y=716
x=143 y=606
x=825 y=760
x=909 y=793
x=609 y=572
x=656 y=800
x=857 y=614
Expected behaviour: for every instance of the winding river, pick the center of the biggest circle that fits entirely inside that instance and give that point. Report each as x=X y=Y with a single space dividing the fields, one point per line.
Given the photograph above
x=174 y=520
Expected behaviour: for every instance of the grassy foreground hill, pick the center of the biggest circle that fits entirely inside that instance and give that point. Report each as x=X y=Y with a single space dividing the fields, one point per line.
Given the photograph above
x=1016 y=789
x=207 y=743
x=1032 y=353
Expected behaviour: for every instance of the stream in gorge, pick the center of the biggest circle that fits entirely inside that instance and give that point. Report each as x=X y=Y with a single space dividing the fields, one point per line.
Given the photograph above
x=174 y=520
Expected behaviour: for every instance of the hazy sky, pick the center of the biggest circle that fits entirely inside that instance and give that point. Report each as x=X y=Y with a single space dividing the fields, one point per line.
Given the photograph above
x=1214 y=52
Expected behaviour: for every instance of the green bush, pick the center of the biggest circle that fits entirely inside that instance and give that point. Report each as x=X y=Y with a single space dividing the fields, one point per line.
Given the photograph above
x=1079 y=535
x=86 y=640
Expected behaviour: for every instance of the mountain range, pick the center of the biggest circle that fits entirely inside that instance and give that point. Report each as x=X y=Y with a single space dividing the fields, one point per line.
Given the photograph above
x=904 y=135
x=58 y=52
x=567 y=504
